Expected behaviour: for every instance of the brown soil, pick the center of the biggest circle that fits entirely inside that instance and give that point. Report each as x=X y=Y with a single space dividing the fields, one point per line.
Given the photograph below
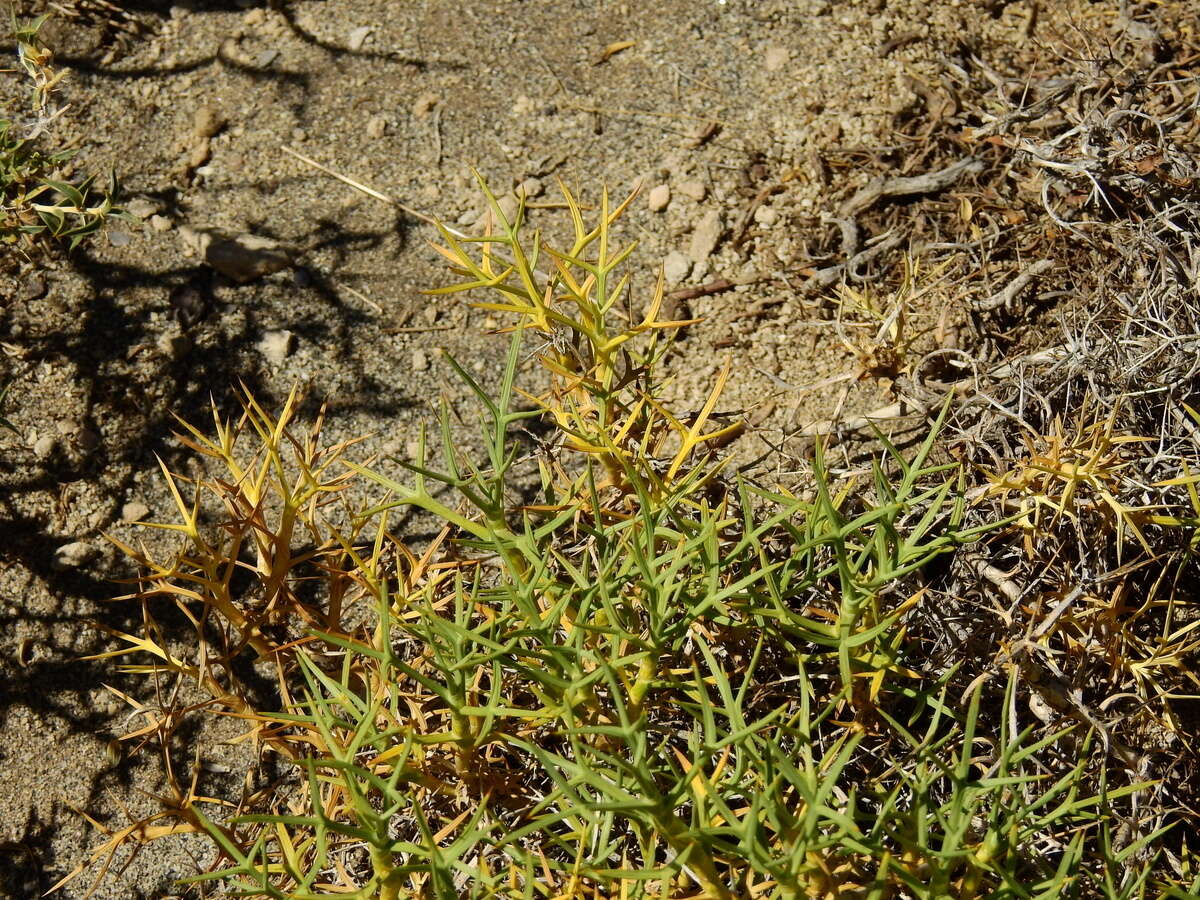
x=764 y=114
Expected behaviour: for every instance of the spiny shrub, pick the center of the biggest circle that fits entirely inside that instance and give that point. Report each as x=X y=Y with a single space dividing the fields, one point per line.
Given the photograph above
x=619 y=669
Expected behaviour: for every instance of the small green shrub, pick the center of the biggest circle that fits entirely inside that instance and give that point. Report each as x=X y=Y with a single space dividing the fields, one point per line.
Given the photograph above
x=618 y=670
x=38 y=207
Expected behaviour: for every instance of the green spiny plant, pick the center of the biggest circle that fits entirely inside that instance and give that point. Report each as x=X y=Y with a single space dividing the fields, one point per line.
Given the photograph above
x=38 y=207
x=602 y=396
x=659 y=680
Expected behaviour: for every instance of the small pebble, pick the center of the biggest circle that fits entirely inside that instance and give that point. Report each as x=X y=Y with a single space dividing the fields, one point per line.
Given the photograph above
x=141 y=207
x=264 y=59
x=200 y=153
x=358 y=37
x=231 y=50
x=660 y=196
x=119 y=238
x=766 y=216
x=693 y=189
x=134 y=511
x=676 y=267
x=420 y=361
x=424 y=104
x=87 y=439
x=160 y=223
x=207 y=121
x=43 y=447
x=532 y=187
x=277 y=346
x=508 y=208
x=242 y=258
x=33 y=288
x=377 y=127
x=776 y=58
x=73 y=555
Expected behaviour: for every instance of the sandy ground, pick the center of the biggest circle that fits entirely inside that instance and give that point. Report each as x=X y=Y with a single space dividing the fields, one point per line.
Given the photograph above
x=743 y=122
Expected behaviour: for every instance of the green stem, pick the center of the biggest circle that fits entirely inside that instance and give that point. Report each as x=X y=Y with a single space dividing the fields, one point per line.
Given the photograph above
x=698 y=860
x=647 y=671
x=390 y=878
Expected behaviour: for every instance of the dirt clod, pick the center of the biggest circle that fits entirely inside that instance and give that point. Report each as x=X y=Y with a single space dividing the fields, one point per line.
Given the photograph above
x=207 y=121
x=73 y=555
x=277 y=346
x=705 y=236
x=243 y=257
x=134 y=511
x=676 y=267
x=693 y=189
